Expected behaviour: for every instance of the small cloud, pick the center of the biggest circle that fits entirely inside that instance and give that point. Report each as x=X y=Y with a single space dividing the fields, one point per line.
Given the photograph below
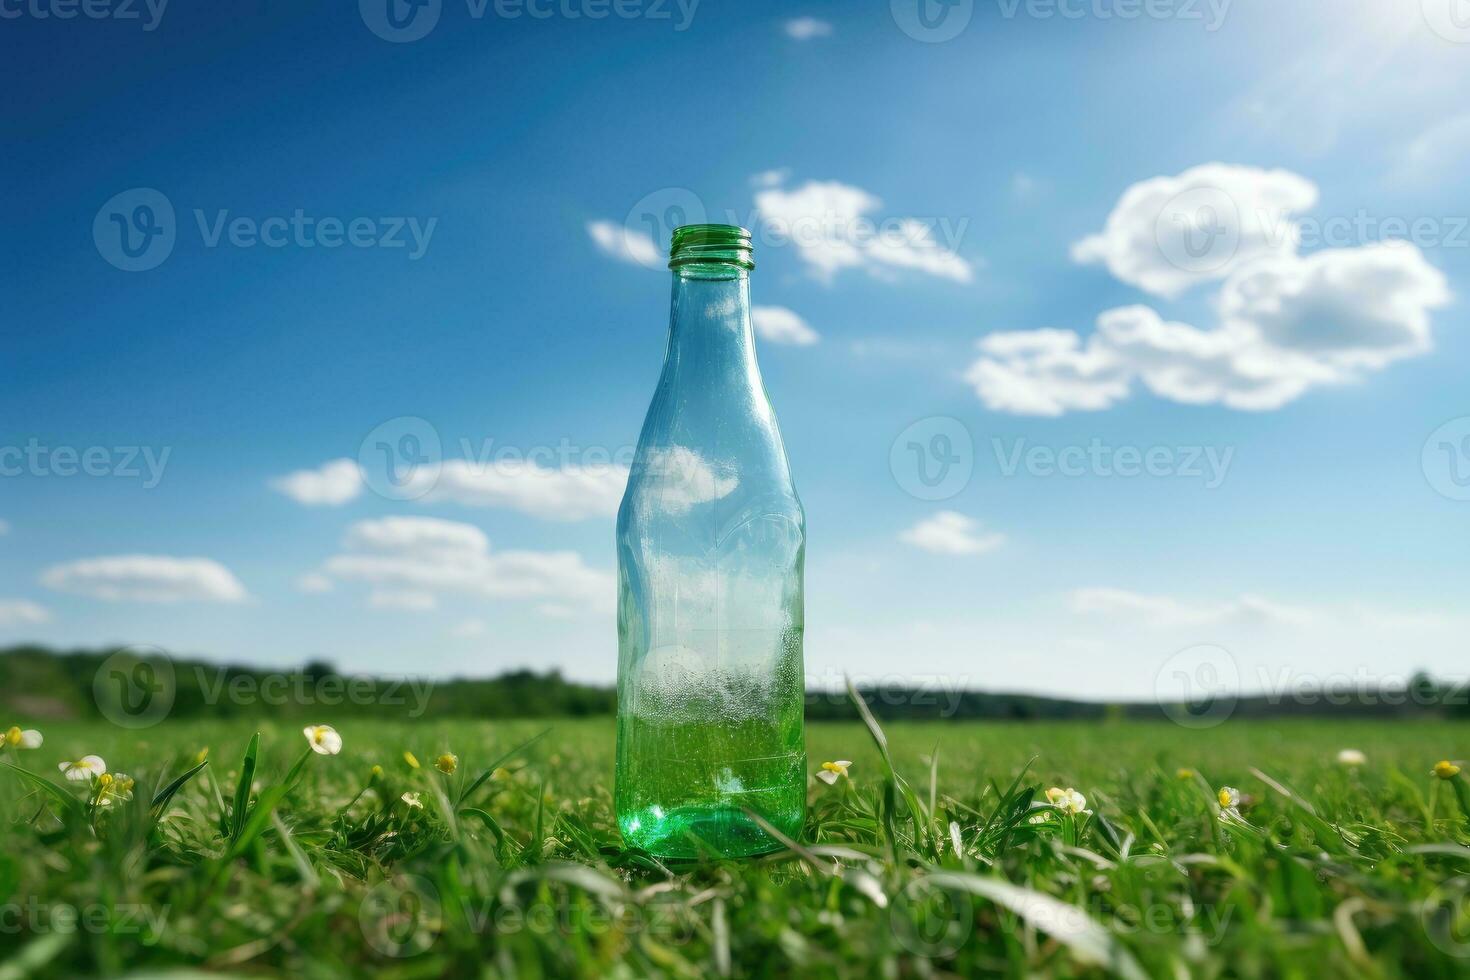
x=624 y=244
x=469 y=629
x=832 y=228
x=4 y=526
x=403 y=601
x=330 y=485
x=1435 y=155
x=409 y=561
x=22 y=612
x=314 y=582
x=806 y=28
x=146 y=578
x=951 y=533
x=568 y=493
x=1025 y=187
x=779 y=325
x=770 y=178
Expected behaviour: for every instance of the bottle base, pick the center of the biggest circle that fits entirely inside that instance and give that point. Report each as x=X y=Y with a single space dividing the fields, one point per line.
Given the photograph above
x=703 y=831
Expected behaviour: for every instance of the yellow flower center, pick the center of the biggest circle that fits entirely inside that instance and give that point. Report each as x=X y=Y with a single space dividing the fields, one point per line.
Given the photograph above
x=1225 y=797
x=1445 y=769
x=12 y=737
x=833 y=767
x=446 y=763
x=105 y=780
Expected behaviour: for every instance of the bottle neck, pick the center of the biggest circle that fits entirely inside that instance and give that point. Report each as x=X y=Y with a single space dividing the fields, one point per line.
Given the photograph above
x=711 y=345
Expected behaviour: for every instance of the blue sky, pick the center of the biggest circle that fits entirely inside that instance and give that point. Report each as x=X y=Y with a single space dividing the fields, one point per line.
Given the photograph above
x=1086 y=216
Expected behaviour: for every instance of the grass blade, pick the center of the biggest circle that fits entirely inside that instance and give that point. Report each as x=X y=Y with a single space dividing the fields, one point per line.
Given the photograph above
x=242 y=788
x=502 y=760
x=1069 y=925
x=167 y=793
x=69 y=804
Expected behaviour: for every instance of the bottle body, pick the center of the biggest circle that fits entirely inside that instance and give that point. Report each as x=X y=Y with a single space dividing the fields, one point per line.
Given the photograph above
x=711 y=544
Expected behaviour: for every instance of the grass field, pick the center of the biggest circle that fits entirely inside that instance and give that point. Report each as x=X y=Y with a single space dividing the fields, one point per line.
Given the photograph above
x=959 y=866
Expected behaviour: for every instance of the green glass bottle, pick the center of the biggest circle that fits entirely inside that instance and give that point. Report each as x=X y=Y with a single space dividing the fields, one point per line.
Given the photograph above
x=711 y=545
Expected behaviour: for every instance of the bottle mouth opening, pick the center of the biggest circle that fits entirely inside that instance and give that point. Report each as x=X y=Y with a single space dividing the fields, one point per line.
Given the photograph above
x=719 y=244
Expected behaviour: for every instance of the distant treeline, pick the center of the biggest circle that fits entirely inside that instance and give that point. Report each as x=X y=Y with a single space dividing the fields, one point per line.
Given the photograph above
x=133 y=684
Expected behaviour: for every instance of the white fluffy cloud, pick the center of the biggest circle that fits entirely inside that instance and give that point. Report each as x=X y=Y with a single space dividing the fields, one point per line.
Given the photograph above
x=569 y=493
x=22 y=612
x=624 y=244
x=779 y=325
x=830 y=225
x=146 y=578
x=806 y=28
x=1165 y=612
x=951 y=533
x=1286 y=322
x=411 y=562
x=1167 y=234
x=332 y=484
x=4 y=526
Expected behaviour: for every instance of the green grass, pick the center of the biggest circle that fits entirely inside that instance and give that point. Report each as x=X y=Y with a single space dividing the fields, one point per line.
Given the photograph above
x=945 y=870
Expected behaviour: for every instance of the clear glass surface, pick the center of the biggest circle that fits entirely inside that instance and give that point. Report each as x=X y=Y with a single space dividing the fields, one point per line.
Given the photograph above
x=711 y=543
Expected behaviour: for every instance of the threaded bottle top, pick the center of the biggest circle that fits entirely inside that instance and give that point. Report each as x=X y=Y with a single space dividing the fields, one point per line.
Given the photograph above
x=711 y=243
